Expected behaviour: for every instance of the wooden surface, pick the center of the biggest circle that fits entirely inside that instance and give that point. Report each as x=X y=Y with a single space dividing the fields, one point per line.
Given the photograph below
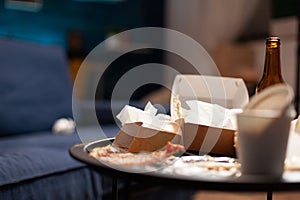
x=215 y=195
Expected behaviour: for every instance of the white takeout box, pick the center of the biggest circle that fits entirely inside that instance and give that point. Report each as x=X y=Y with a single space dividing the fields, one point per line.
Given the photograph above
x=227 y=92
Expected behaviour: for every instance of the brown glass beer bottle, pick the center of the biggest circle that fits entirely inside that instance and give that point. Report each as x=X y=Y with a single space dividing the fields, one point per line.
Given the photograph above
x=272 y=69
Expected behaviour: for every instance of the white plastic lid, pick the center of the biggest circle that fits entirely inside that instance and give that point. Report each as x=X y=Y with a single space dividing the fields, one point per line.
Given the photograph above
x=276 y=97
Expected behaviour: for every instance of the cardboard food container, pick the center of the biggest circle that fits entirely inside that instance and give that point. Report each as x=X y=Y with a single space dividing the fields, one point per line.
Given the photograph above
x=200 y=135
x=219 y=141
x=145 y=130
x=149 y=139
x=138 y=137
x=126 y=135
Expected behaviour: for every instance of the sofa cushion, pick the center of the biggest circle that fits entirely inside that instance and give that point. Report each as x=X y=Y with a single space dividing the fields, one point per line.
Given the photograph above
x=38 y=166
x=28 y=156
x=34 y=155
x=78 y=184
x=35 y=88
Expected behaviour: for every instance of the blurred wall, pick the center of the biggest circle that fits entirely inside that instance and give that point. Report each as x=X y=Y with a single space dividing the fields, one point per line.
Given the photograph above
x=218 y=21
x=56 y=19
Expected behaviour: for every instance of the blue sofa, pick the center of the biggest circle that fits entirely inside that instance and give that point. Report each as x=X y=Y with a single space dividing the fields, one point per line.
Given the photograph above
x=35 y=91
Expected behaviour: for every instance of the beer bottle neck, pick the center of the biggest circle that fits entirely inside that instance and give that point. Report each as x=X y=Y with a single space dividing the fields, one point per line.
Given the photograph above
x=272 y=61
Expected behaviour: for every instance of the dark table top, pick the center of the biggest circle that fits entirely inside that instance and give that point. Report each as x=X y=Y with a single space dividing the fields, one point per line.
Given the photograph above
x=289 y=181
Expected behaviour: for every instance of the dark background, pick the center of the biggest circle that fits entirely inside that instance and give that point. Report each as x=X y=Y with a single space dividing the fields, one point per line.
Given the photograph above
x=92 y=22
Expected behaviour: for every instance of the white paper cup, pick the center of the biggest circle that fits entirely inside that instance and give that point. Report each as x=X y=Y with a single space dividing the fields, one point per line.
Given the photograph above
x=262 y=141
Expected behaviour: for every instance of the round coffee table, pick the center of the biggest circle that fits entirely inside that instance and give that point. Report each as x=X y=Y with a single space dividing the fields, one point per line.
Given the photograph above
x=288 y=182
